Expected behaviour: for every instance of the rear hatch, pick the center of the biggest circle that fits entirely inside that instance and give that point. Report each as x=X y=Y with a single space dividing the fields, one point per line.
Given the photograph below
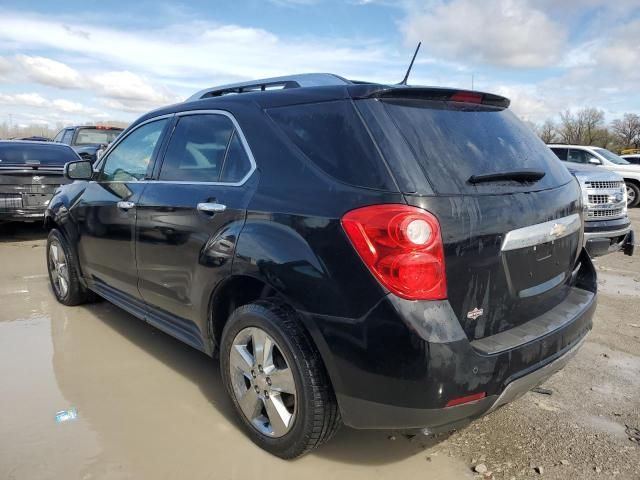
x=30 y=173
x=510 y=213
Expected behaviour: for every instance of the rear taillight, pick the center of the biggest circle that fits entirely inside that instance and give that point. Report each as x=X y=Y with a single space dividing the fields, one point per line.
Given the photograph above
x=402 y=246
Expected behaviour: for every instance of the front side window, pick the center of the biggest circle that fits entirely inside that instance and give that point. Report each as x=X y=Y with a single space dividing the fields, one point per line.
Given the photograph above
x=579 y=156
x=205 y=148
x=129 y=160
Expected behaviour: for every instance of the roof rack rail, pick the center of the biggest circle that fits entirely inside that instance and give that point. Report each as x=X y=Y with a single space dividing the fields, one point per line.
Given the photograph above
x=291 y=81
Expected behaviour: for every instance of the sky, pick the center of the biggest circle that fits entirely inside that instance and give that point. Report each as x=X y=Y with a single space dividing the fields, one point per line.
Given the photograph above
x=83 y=61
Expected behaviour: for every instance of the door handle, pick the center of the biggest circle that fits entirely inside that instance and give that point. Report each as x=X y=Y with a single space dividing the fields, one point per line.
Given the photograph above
x=211 y=207
x=126 y=205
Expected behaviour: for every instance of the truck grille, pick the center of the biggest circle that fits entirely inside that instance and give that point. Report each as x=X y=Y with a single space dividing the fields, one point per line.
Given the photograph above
x=604 y=184
x=613 y=212
x=598 y=199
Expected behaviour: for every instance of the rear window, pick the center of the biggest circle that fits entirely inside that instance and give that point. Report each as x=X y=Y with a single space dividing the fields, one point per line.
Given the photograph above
x=332 y=136
x=95 y=136
x=452 y=141
x=53 y=155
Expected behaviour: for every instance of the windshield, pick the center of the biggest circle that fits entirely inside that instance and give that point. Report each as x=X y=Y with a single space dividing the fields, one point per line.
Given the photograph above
x=612 y=157
x=93 y=136
x=52 y=155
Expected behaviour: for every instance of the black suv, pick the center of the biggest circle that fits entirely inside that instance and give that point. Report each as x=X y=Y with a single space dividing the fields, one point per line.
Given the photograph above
x=375 y=255
x=86 y=140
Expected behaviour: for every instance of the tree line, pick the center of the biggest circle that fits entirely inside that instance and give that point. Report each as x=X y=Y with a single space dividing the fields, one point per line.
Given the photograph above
x=588 y=127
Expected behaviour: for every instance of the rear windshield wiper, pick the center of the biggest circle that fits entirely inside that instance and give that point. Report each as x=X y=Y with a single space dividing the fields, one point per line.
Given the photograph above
x=515 y=175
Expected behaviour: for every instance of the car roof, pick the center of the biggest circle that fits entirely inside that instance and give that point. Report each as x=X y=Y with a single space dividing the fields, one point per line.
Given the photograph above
x=34 y=142
x=225 y=98
x=567 y=145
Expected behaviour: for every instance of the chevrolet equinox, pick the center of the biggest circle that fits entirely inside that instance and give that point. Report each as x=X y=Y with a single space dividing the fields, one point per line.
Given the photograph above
x=383 y=256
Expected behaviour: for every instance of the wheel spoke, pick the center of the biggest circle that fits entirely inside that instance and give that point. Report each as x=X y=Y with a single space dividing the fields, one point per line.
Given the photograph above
x=250 y=404
x=262 y=349
x=282 y=381
x=63 y=285
x=241 y=359
x=279 y=416
x=54 y=253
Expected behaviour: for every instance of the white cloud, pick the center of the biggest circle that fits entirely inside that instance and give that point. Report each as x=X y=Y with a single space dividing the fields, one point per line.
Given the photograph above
x=5 y=68
x=50 y=72
x=24 y=99
x=206 y=51
x=493 y=32
x=37 y=101
x=130 y=86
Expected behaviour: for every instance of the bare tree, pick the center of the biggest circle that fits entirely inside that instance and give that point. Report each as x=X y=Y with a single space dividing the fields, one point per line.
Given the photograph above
x=583 y=127
x=627 y=130
x=548 y=132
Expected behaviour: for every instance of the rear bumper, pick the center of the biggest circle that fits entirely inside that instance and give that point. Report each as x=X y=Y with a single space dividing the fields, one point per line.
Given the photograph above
x=366 y=414
x=606 y=236
x=399 y=366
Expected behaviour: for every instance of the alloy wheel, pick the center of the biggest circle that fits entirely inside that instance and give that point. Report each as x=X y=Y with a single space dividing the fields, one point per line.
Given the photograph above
x=263 y=382
x=631 y=195
x=58 y=268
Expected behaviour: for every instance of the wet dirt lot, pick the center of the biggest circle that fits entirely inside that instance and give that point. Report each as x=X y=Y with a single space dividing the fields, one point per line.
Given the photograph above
x=150 y=407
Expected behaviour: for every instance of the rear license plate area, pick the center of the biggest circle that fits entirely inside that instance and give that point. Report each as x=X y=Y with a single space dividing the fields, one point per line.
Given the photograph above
x=36 y=199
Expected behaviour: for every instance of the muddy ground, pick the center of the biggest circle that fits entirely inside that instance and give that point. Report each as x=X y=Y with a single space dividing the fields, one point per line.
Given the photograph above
x=149 y=407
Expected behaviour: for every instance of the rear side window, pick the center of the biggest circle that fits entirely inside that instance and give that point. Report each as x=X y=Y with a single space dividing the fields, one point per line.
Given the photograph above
x=205 y=148
x=453 y=141
x=561 y=153
x=50 y=155
x=332 y=136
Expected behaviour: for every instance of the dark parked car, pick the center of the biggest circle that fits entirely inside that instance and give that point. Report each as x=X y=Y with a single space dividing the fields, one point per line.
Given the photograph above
x=87 y=140
x=384 y=256
x=29 y=174
x=633 y=158
x=34 y=138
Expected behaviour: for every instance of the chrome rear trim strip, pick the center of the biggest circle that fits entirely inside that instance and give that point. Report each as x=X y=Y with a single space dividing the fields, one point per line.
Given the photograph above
x=541 y=233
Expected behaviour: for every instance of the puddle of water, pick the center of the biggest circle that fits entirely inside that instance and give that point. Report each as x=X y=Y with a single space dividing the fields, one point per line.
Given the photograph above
x=147 y=405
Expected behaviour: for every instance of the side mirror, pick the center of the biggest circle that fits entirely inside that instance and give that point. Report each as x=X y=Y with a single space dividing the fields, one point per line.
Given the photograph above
x=78 y=170
x=595 y=161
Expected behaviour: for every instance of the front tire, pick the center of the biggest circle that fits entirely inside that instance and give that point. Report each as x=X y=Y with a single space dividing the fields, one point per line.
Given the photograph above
x=633 y=195
x=63 y=274
x=276 y=380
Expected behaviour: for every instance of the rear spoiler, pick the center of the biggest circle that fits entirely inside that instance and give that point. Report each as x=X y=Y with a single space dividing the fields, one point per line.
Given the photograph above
x=440 y=94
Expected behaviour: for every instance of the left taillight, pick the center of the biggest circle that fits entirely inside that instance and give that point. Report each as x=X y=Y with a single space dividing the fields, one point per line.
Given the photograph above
x=402 y=247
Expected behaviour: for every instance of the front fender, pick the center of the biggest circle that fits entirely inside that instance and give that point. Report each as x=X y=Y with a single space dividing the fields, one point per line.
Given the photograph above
x=59 y=214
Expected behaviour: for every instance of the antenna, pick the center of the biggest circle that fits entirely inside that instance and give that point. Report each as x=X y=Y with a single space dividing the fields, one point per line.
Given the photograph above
x=406 y=76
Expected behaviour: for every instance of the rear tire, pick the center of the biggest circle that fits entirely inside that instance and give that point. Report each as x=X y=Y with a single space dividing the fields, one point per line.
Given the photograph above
x=63 y=275
x=311 y=416
x=633 y=194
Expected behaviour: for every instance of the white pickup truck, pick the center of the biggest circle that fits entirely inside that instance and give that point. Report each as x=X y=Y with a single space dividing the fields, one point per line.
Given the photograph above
x=604 y=159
